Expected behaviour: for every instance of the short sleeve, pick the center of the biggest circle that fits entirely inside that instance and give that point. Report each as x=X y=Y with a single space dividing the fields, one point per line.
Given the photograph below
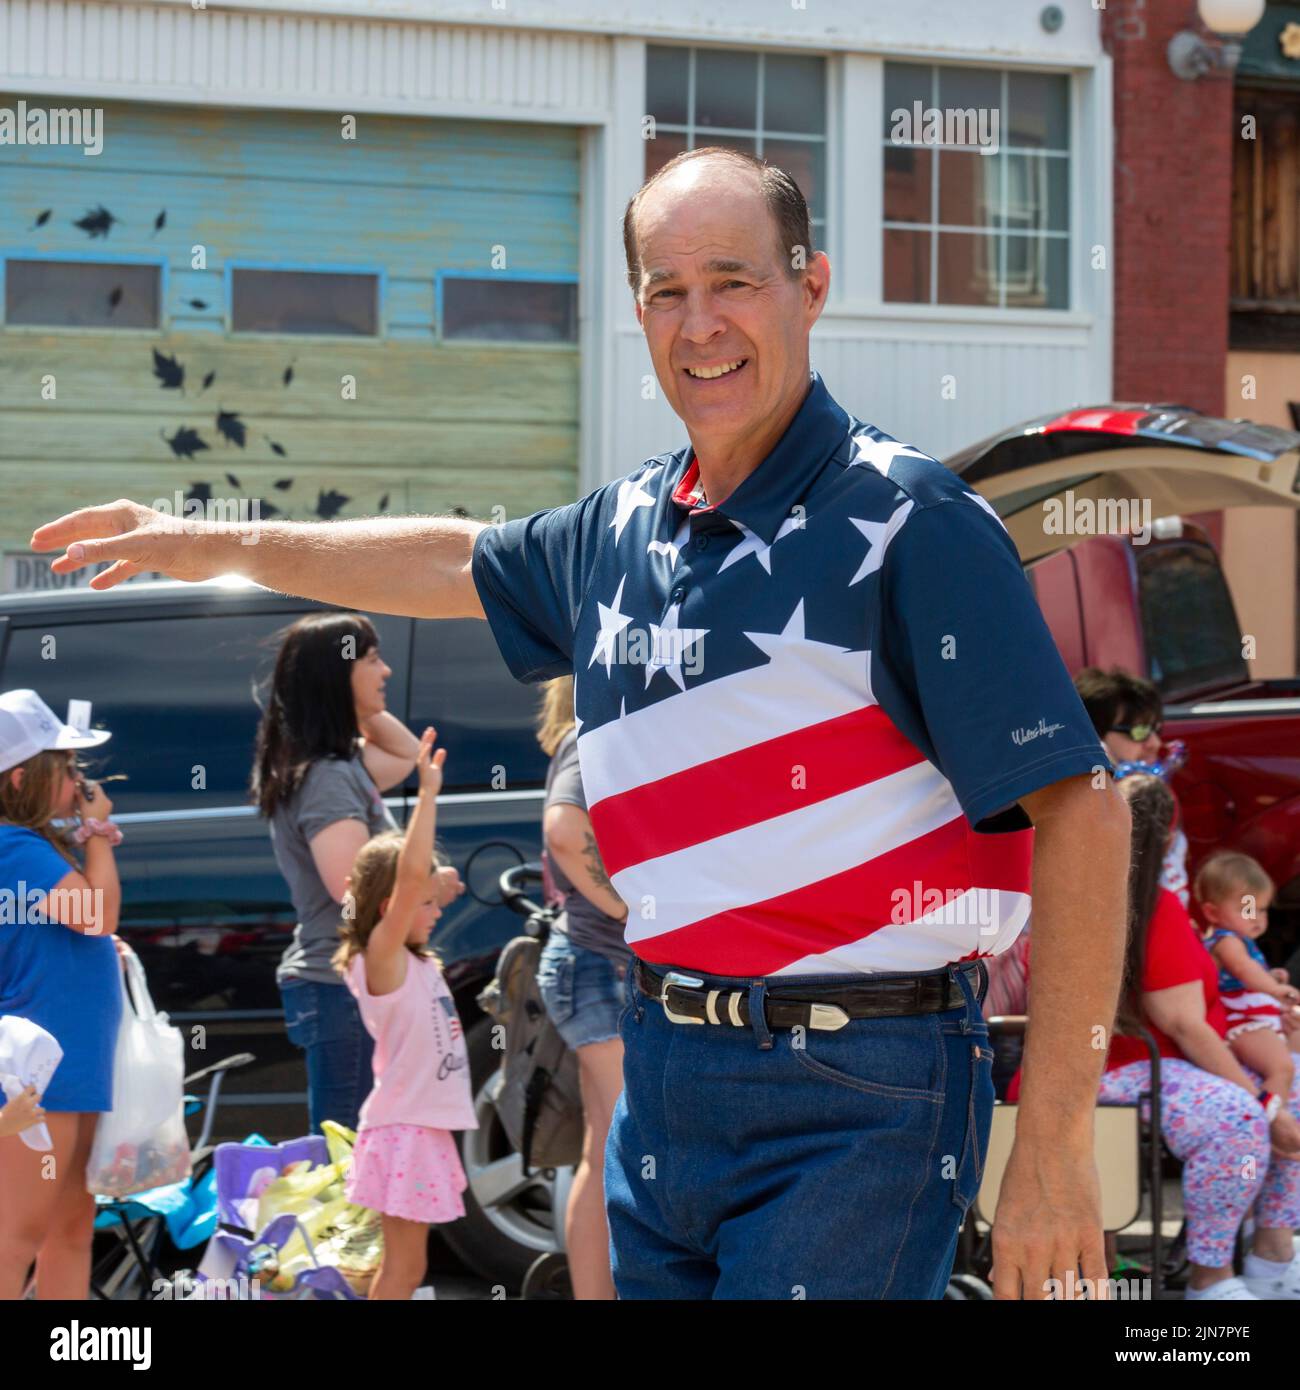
x=531 y=575
x=566 y=781
x=1174 y=953
x=969 y=670
x=330 y=792
x=43 y=867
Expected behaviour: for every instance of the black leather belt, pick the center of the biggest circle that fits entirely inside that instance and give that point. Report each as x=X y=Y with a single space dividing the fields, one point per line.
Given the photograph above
x=686 y=998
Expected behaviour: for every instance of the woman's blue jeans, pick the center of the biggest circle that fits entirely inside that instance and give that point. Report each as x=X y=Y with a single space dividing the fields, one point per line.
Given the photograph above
x=324 y=1021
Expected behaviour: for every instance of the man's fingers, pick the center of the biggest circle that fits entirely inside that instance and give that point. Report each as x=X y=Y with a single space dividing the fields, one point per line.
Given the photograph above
x=92 y=552
x=87 y=523
x=114 y=574
x=1092 y=1261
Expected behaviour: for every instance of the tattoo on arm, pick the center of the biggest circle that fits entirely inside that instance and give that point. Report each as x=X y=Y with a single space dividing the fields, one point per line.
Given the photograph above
x=596 y=865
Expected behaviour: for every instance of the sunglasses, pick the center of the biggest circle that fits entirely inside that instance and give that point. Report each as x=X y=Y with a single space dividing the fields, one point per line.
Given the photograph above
x=1139 y=733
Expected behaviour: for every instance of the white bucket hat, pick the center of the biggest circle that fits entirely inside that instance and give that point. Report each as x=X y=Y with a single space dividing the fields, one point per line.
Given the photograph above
x=29 y=726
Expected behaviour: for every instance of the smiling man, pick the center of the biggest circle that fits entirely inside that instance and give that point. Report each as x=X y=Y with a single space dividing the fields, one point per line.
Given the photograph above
x=829 y=751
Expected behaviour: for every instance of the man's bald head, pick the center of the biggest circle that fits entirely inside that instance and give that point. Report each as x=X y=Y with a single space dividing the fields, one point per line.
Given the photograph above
x=708 y=171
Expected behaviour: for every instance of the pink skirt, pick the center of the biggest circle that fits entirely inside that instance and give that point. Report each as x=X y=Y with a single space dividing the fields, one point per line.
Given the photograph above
x=408 y=1171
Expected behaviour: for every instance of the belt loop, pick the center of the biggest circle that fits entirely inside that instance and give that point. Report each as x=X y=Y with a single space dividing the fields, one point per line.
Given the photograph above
x=633 y=990
x=758 y=1014
x=972 y=1002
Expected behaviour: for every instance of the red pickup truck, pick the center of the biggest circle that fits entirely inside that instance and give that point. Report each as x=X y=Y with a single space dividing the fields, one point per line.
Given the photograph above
x=1095 y=501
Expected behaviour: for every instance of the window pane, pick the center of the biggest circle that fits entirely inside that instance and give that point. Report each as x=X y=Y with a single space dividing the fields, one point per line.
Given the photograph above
x=726 y=89
x=529 y=311
x=665 y=146
x=1037 y=272
x=804 y=161
x=968 y=268
x=964 y=89
x=460 y=685
x=907 y=184
x=1038 y=193
x=202 y=712
x=81 y=294
x=969 y=188
x=794 y=96
x=304 y=301
x=747 y=143
x=1040 y=113
x=907 y=267
x=905 y=84
x=667 y=72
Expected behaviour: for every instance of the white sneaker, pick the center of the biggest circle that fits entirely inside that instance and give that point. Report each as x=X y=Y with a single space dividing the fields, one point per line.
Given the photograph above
x=1268 y=1279
x=1226 y=1290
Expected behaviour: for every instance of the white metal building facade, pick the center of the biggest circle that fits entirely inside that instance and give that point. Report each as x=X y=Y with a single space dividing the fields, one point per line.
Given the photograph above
x=941 y=374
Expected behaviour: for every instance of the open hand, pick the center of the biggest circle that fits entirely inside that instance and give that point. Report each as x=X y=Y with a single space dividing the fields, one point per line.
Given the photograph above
x=428 y=763
x=136 y=538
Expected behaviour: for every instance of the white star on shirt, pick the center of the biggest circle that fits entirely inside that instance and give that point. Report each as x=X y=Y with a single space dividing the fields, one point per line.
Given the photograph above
x=988 y=507
x=612 y=622
x=878 y=534
x=880 y=453
x=667 y=643
x=792 y=654
x=753 y=544
x=631 y=495
x=673 y=547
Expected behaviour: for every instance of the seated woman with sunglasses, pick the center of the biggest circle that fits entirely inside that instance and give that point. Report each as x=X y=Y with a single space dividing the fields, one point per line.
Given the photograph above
x=1127 y=713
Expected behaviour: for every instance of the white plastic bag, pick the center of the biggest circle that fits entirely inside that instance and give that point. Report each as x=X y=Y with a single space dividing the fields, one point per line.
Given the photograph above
x=141 y=1143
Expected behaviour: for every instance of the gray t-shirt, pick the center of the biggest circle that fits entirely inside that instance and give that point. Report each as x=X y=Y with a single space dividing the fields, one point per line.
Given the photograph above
x=584 y=922
x=332 y=790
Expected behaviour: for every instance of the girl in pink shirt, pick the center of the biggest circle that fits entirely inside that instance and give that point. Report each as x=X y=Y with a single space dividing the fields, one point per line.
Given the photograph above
x=405 y=1164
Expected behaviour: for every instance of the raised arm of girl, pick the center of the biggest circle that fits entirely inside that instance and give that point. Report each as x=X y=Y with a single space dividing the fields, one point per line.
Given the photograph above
x=413 y=887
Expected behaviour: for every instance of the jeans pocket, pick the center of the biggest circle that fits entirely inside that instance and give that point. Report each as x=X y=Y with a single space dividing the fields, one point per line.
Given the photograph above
x=978 y=1124
x=555 y=984
x=902 y=1061
x=301 y=1014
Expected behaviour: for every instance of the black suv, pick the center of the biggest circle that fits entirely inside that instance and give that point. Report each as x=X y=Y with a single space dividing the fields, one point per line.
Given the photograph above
x=173 y=670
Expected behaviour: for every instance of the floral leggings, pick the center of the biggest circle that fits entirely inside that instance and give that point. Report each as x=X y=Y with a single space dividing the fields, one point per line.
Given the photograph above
x=1221 y=1135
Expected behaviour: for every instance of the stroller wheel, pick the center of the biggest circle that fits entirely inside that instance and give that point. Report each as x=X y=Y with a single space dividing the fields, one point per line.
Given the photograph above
x=967 y=1288
x=548 y=1278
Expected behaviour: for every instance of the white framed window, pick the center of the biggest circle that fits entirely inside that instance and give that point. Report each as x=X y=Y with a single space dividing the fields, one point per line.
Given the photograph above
x=976 y=187
x=772 y=105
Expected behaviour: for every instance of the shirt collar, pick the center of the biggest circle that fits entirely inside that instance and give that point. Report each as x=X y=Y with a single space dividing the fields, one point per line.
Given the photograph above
x=765 y=499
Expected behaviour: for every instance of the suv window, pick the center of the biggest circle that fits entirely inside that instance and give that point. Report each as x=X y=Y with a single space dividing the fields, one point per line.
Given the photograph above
x=177 y=693
x=484 y=717
x=1193 y=638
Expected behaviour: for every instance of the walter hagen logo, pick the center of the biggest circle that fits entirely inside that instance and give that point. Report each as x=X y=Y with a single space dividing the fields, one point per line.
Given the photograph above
x=39 y=125
x=975 y=127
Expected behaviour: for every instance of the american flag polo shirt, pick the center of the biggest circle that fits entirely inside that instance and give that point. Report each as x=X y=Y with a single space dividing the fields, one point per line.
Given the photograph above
x=806 y=712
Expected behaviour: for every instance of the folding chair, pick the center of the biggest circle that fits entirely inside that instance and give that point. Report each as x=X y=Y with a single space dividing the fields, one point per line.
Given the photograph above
x=1128 y=1150
x=134 y=1226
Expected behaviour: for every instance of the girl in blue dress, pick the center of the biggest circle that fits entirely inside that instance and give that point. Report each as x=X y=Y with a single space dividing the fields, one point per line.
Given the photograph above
x=59 y=968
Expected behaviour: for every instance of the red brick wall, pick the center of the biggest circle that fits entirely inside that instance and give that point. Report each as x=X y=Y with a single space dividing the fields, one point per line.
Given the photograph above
x=1173 y=198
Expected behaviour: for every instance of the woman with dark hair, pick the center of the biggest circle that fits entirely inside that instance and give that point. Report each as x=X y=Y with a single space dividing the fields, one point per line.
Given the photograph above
x=326 y=750
x=1238 y=1143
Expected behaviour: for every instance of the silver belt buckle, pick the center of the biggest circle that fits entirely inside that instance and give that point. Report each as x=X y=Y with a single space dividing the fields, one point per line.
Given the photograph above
x=675 y=977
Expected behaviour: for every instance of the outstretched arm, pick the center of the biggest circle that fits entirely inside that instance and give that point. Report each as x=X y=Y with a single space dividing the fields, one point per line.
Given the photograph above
x=417 y=567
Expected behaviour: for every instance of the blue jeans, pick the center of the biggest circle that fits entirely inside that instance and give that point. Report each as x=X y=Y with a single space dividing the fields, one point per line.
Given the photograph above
x=582 y=991
x=324 y=1021
x=757 y=1164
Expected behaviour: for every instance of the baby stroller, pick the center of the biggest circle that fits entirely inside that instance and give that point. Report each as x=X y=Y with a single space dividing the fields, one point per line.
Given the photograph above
x=131 y=1232
x=557 y=1099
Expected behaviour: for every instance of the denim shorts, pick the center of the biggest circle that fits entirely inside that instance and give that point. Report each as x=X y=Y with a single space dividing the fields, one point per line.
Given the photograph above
x=582 y=991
